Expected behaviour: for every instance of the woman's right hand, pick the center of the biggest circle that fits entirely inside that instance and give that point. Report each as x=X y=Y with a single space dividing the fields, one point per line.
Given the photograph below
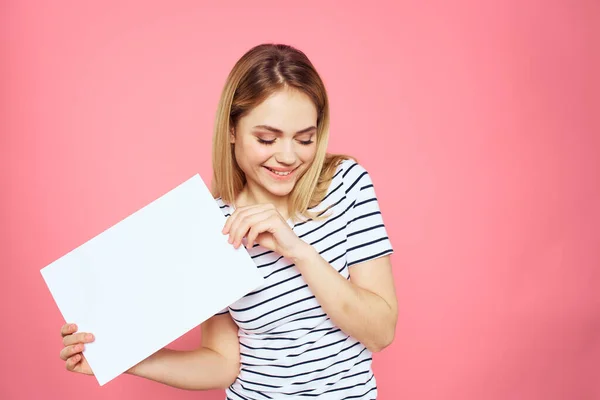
x=74 y=343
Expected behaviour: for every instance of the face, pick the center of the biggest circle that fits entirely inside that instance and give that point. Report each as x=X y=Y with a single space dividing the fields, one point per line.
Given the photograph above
x=275 y=143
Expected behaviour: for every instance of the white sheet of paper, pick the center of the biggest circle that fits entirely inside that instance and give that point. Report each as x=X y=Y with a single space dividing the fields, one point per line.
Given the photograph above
x=150 y=278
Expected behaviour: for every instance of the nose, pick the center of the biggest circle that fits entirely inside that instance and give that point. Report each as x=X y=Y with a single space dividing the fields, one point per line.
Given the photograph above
x=286 y=154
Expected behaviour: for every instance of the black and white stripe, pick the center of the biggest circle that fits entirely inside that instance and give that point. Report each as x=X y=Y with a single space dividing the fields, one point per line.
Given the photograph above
x=289 y=347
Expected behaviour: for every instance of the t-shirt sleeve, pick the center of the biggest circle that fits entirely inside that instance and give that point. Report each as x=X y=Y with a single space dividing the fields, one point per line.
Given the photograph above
x=366 y=232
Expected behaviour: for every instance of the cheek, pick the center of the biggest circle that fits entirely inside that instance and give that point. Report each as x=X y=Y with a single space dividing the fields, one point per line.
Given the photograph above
x=251 y=152
x=307 y=153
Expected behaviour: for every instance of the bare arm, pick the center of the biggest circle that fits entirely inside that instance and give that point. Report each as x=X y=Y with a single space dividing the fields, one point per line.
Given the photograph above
x=364 y=307
x=215 y=365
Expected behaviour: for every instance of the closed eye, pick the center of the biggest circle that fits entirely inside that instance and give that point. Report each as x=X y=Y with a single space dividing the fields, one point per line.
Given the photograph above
x=267 y=142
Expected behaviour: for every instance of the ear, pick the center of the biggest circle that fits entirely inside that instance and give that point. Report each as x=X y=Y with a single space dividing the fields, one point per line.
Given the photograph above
x=232 y=135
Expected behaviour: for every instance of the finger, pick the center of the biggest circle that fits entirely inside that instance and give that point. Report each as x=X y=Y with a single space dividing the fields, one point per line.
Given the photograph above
x=240 y=212
x=252 y=235
x=255 y=225
x=80 y=337
x=230 y=220
x=68 y=329
x=265 y=225
x=72 y=362
x=239 y=218
x=268 y=223
x=244 y=225
x=233 y=217
x=70 y=351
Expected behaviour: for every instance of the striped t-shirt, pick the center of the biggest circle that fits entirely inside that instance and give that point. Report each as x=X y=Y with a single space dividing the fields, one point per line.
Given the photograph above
x=289 y=347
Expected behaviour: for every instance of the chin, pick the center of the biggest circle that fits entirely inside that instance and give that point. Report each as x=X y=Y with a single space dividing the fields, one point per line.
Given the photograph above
x=280 y=191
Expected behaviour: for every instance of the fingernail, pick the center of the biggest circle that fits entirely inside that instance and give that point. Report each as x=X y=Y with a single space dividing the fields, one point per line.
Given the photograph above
x=89 y=336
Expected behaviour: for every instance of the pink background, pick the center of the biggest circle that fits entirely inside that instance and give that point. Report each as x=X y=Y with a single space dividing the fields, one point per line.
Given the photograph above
x=475 y=120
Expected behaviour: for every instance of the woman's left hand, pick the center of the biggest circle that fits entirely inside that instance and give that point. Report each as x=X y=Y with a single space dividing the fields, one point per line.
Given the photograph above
x=264 y=225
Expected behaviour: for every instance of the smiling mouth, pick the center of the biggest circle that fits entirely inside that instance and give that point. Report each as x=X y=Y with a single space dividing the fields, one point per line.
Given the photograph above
x=281 y=173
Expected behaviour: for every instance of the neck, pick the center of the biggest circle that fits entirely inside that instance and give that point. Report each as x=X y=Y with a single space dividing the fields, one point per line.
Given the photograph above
x=249 y=196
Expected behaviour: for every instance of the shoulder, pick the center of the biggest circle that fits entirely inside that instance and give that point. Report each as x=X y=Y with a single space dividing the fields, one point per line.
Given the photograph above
x=354 y=177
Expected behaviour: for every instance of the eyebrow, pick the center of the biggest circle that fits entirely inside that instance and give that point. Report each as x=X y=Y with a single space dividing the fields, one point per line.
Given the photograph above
x=275 y=130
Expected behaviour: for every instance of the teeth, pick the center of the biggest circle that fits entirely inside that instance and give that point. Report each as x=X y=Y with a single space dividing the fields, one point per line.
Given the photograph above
x=279 y=173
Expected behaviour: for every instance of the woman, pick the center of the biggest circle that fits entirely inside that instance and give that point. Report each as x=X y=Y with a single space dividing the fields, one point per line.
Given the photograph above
x=312 y=224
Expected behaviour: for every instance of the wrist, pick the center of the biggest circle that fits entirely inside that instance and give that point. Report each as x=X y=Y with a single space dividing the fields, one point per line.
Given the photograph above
x=304 y=253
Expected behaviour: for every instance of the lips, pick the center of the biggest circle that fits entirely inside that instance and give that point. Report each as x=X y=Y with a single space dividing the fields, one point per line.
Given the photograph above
x=280 y=173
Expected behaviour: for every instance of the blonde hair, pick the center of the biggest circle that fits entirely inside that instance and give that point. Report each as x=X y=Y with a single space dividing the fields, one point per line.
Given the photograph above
x=262 y=71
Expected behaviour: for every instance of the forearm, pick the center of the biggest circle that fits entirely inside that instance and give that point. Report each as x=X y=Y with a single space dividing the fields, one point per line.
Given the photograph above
x=200 y=369
x=358 y=312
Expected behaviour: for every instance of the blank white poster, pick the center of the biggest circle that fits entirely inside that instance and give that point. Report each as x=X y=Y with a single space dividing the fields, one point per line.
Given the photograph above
x=150 y=278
